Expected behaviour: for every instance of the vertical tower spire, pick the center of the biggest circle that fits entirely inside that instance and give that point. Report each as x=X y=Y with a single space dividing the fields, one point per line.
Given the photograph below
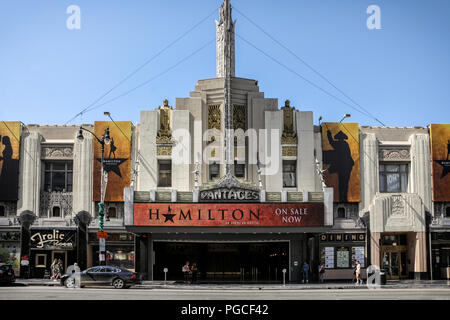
x=225 y=42
x=225 y=69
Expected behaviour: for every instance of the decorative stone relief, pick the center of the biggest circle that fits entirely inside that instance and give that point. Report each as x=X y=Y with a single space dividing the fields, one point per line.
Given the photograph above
x=389 y=154
x=119 y=209
x=57 y=152
x=239 y=118
x=289 y=151
x=288 y=136
x=164 y=150
x=51 y=199
x=10 y=208
x=214 y=119
x=398 y=205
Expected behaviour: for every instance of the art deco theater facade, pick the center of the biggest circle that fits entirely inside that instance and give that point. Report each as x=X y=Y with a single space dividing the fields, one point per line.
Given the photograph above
x=232 y=181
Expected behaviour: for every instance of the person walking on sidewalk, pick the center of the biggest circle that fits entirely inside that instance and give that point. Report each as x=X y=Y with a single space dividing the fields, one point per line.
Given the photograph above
x=321 y=272
x=358 y=273
x=53 y=269
x=305 y=272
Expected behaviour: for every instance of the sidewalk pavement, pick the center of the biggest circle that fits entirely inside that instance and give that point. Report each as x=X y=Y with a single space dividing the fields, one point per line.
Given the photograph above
x=400 y=284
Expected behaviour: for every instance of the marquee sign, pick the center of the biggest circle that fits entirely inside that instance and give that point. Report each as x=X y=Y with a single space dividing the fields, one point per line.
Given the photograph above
x=229 y=214
x=52 y=239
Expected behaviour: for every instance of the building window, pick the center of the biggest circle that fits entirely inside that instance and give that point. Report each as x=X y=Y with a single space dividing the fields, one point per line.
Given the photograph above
x=58 y=176
x=289 y=173
x=112 y=212
x=214 y=171
x=393 y=177
x=41 y=261
x=447 y=212
x=2 y=211
x=341 y=213
x=165 y=173
x=239 y=170
x=56 y=212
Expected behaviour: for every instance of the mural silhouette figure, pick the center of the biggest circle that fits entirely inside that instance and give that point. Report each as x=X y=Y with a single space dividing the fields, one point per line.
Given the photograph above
x=9 y=178
x=448 y=149
x=112 y=149
x=340 y=161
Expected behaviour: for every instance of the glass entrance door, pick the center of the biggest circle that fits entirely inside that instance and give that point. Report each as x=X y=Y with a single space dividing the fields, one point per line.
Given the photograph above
x=393 y=264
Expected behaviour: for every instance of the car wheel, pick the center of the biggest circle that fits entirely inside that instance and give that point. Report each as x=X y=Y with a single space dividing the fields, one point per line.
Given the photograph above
x=70 y=282
x=118 y=283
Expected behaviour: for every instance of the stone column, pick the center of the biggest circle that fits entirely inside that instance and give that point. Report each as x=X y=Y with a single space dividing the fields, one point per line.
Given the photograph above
x=30 y=173
x=375 y=248
x=148 y=164
x=82 y=220
x=82 y=174
x=421 y=168
x=306 y=166
x=369 y=170
x=181 y=151
x=270 y=151
x=295 y=252
x=26 y=219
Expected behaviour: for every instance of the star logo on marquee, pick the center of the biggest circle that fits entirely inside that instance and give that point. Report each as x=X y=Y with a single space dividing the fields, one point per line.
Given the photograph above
x=169 y=216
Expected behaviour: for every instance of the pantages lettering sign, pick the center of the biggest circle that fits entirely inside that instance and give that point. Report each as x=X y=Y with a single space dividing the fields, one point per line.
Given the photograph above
x=52 y=239
x=229 y=214
x=229 y=194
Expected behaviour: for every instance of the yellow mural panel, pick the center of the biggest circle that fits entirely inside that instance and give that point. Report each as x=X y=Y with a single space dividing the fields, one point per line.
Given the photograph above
x=117 y=159
x=340 y=148
x=9 y=159
x=440 y=155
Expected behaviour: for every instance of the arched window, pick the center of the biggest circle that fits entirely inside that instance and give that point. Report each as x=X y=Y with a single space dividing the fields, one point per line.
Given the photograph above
x=341 y=213
x=56 y=211
x=112 y=212
x=2 y=211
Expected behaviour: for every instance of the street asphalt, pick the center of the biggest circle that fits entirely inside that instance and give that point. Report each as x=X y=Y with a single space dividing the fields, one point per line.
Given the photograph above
x=404 y=290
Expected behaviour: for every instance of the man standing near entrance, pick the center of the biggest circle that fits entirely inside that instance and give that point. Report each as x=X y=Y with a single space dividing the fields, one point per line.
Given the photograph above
x=305 y=272
x=186 y=271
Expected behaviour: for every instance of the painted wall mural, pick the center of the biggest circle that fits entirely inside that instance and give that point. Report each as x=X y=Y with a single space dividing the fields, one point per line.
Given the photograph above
x=117 y=159
x=440 y=155
x=9 y=159
x=340 y=147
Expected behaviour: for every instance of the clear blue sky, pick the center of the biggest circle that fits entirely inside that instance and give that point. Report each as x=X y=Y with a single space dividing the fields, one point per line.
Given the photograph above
x=401 y=73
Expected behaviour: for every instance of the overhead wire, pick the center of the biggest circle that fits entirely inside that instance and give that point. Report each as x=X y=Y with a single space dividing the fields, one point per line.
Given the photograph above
x=153 y=78
x=302 y=77
x=140 y=67
x=308 y=66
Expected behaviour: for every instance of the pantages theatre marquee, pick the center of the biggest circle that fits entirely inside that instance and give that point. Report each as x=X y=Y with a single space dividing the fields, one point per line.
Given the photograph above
x=232 y=182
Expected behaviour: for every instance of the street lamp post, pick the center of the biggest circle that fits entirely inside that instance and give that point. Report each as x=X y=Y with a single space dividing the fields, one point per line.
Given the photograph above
x=105 y=140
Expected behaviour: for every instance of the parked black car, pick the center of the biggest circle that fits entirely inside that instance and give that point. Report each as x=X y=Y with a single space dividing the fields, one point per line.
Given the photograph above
x=103 y=275
x=7 y=274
